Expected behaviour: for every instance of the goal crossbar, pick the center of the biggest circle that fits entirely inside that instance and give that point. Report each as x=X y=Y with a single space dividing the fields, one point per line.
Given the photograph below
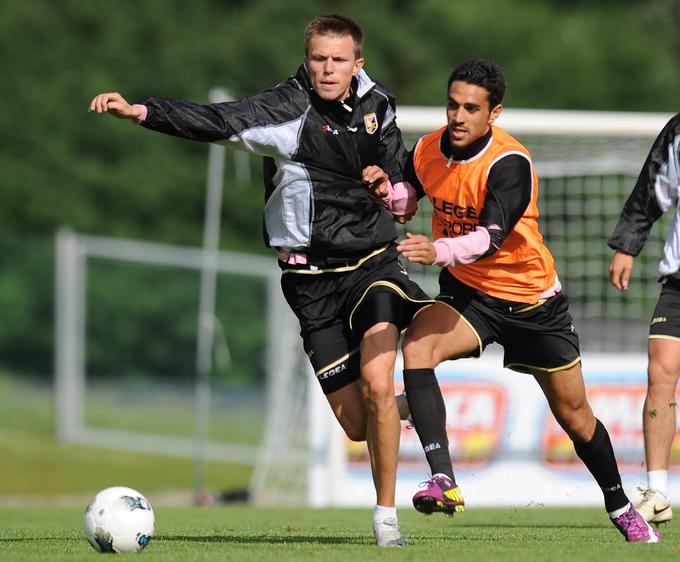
x=543 y=121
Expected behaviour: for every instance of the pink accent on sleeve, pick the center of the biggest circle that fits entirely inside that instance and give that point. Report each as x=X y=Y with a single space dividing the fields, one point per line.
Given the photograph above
x=463 y=249
x=401 y=198
x=387 y=200
x=404 y=199
x=143 y=115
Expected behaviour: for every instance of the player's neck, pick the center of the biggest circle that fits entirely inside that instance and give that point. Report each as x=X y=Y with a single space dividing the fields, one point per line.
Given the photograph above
x=466 y=152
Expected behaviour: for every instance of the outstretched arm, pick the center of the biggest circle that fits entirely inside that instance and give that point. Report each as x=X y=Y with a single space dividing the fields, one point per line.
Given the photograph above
x=266 y=123
x=116 y=105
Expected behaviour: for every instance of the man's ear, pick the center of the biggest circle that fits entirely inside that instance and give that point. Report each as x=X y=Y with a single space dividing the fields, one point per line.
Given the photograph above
x=495 y=112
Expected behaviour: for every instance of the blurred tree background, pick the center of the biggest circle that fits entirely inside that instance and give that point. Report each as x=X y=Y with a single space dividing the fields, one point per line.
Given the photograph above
x=63 y=167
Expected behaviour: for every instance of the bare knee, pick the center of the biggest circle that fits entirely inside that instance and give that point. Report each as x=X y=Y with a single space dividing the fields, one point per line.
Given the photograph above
x=378 y=355
x=577 y=421
x=418 y=352
x=377 y=383
x=662 y=376
x=378 y=393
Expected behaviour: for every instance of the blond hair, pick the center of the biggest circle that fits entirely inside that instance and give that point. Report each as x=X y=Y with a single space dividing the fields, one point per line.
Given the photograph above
x=334 y=25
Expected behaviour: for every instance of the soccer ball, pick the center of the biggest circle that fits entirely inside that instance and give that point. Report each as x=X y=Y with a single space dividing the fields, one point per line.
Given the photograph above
x=119 y=519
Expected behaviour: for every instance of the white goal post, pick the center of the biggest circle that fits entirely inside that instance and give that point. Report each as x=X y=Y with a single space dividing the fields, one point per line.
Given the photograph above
x=72 y=254
x=575 y=123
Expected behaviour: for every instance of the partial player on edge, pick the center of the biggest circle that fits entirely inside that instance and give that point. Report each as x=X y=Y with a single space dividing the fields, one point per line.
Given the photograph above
x=656 y=191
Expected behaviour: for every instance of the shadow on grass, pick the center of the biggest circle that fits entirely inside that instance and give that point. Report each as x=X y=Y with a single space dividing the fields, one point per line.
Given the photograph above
x=536 y=527
x=19 y=540
x=355 y=540
x=268 y=539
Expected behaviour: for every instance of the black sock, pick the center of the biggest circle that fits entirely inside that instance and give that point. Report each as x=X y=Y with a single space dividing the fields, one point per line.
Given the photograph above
x=429 y=418
x=598 y=456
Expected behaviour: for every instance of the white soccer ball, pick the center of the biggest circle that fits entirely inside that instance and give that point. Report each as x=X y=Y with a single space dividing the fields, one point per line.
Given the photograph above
x=119 y=519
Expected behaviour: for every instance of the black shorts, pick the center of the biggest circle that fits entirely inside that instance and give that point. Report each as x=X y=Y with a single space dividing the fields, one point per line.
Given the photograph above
x=336 y=306
x=665 y=322
x=537 y=336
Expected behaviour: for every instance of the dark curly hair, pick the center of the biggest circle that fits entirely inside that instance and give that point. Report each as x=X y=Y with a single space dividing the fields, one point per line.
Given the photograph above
x=483 y=73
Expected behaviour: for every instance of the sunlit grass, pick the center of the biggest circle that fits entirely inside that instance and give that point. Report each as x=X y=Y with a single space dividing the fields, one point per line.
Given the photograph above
x=287 y=535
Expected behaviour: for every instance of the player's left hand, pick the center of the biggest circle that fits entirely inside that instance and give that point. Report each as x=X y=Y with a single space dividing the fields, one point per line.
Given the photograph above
x=620 y=270
x=417 y=248
x=376 y=180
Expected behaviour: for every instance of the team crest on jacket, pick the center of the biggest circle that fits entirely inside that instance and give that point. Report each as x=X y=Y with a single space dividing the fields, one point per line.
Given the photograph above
x=371 y=123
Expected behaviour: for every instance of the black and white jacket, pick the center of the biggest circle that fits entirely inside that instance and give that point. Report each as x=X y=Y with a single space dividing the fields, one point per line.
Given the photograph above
x=657 y=189
x=315 y=201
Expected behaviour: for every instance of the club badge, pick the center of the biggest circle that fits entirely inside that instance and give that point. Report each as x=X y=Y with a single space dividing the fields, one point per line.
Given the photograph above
x=371 y=123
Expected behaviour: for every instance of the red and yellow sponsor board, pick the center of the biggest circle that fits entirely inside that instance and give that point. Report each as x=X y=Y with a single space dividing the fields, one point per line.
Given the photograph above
x=620 y=409
x=476 y=414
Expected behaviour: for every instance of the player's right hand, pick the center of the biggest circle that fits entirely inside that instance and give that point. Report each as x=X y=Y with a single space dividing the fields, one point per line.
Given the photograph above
x=375 y=178
x=620 y=269
x=417 y=248
x=115 y=104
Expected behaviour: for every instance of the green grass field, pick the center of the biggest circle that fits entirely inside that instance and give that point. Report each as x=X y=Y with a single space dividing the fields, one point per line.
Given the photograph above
x=37 y=474
x=245 y=533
